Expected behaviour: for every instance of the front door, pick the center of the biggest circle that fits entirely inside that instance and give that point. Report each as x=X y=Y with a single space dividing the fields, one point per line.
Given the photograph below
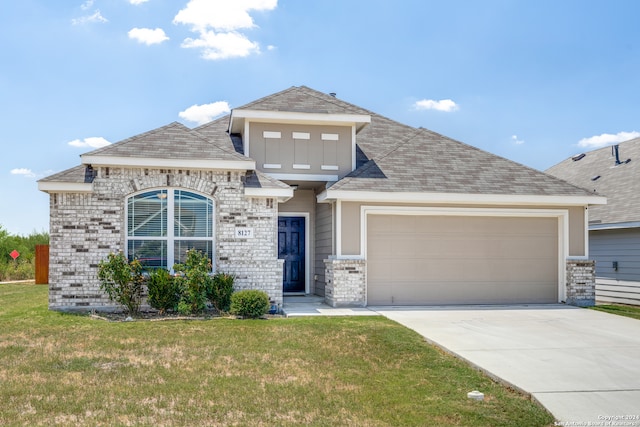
x=291 y=249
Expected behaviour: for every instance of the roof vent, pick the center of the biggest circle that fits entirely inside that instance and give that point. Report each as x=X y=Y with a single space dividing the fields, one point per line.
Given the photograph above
x=615 y=151
x=595 y=178
x=333 y=94
x=578 y=157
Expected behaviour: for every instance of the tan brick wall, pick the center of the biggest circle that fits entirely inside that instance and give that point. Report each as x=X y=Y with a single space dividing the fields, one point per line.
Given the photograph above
x=581 y=282
x=345 y=282
x=85 y=228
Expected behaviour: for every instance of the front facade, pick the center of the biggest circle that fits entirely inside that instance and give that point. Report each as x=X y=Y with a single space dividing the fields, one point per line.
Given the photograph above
x=301 y=193
x=614 y=228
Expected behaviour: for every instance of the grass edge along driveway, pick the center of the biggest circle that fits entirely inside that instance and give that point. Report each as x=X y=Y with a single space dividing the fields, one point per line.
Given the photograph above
x=62 y=369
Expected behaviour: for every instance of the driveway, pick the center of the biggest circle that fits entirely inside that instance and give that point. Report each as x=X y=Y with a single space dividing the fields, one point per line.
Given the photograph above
x=582 y=365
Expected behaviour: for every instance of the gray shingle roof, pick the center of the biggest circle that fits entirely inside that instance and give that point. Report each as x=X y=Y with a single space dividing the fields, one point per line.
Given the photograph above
x=77 y=174
x=173 y=141
x=391 y=156
x=258 y=179
x=619 y=184
x=430 y=162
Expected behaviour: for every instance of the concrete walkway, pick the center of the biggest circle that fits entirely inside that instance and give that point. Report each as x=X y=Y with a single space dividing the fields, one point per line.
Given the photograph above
x=582 y=365
x=304 y=306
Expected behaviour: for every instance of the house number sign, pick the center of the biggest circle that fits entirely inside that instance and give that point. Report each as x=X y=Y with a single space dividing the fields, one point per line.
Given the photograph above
x=244 y=233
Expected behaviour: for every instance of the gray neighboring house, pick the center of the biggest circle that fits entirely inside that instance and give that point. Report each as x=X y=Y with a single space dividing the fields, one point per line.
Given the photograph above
x=301 y=193
x=614 y=228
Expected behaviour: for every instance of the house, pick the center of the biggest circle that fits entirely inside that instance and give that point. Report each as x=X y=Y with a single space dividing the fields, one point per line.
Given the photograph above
x=614 y=228
x=300 y=193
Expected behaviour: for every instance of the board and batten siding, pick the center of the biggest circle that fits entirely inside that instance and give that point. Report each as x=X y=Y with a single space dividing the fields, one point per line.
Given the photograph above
x=621 y=246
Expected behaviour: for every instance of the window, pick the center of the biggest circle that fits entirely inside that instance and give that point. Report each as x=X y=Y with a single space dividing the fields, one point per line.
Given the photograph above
x=163 y=224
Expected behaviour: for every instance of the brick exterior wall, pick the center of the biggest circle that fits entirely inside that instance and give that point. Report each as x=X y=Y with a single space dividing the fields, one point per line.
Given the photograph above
x=85 y=228
x=345 y=282
x=581 y=282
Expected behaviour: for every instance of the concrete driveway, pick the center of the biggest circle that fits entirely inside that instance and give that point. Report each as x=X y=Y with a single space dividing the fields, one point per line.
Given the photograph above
x=582 y=365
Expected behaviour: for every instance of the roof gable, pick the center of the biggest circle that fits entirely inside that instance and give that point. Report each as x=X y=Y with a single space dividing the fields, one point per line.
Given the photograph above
x=173 y=141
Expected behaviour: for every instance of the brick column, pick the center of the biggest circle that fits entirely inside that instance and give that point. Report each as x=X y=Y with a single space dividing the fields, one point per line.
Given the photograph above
x=581 y=282
x=345 y=282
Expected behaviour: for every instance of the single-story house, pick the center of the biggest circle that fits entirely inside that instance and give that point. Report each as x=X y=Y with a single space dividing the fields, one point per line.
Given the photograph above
x=300 y=192
x=614 y=228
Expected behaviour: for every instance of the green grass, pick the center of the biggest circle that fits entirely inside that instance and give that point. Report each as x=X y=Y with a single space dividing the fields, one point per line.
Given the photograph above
x=621 y=310
x=62 y=369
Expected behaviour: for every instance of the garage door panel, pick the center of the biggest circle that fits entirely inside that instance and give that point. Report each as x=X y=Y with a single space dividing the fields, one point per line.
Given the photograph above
x=475 y=270
x=410 y=293
x=441 y=245
x=461 y=260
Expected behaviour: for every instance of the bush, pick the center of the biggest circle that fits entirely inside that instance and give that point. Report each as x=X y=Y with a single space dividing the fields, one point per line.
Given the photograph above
x=249 y=303
x=164 y=291
x=219 y=291
x=122 y=281
x=194 y=282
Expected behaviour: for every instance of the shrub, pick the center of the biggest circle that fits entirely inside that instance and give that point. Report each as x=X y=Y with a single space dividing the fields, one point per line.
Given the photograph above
x=194 y=282
x=219 y=291
x=164 y=291
x=249 y=303
x=122 y=281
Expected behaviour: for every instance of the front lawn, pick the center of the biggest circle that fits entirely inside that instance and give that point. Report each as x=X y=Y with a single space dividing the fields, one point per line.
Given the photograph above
x=622 y=310
x=61 y=369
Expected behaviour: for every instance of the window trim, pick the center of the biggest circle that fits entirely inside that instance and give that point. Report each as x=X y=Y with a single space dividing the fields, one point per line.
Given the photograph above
x=170 y=237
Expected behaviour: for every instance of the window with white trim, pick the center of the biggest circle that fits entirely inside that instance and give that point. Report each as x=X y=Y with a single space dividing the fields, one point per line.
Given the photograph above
x=163 y=224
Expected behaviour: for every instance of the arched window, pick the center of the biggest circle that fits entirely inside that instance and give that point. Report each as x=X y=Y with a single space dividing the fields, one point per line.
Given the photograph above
x=163 y=224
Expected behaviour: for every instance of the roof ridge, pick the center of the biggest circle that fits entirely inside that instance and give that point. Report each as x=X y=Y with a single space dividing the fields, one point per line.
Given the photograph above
x=266 y=97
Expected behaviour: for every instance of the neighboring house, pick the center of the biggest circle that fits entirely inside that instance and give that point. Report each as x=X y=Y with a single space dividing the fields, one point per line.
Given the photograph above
x=302 y=193
x=614 y=228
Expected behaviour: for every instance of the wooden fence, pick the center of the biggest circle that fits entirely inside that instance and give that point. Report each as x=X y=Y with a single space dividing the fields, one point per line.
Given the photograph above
x=617 y=291
x=42 y=264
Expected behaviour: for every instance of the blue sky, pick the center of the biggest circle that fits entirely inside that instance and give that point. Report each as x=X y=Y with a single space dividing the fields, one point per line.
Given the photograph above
x=533 y=81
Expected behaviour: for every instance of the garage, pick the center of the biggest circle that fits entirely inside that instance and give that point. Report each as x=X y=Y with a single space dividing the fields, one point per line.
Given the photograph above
x=457 y=259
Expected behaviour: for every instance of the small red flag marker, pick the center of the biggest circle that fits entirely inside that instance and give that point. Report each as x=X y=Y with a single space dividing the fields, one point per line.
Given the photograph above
x=14 y=254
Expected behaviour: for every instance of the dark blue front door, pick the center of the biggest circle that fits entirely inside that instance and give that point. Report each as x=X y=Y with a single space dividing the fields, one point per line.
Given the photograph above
x=291 y=250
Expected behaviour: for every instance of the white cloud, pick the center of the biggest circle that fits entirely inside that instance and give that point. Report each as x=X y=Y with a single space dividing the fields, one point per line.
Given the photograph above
x=202 y=114
x=222 y=45
x=605 y=139
x=137 y=2
x=87 y=5
x=517 y=141
x=24 y=172
x=92 y=142
x=217 y=22
x=148 y=36
x=446 y=105
x=89 y=19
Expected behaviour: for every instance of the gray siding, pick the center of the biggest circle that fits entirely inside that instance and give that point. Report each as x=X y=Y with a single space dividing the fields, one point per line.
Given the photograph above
x=324 y=244
x=623 y=246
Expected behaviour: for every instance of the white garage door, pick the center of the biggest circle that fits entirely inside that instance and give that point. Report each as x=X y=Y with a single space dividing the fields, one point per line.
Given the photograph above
x=423 y=260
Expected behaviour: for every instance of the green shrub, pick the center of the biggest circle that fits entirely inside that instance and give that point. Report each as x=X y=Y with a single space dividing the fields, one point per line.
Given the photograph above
x=219 y=291
x=194 y=281
x=122 y=281
x=249 y=303
x=164 y=291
